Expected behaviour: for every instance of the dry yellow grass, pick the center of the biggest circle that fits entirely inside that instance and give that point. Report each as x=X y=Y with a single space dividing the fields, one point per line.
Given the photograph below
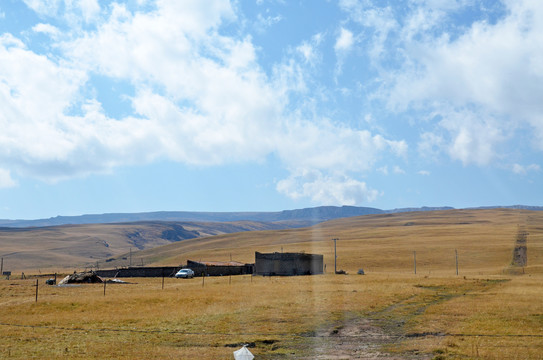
x=485 y=312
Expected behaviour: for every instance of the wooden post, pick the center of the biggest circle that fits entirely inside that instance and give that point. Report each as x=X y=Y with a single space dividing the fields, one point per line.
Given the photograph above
x=105 y=282
x=456 y=258
x=203 y=278
x=2 y=267
x=415 y=261
x=37 y=290
x=162 y=279
x=335 y=257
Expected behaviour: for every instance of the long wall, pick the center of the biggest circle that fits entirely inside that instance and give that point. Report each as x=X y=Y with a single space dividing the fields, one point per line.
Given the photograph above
x=139 y=272
x=169 y=271
x=219 y=270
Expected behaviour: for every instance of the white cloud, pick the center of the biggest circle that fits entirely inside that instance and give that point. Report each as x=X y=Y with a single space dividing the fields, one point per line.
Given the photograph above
x=308 y=49
x=330 y=190
x=398 y=170
x=48 y=29
x=262 y=22
x=474 y=138
x=199 y=97
x=5 y=179
x=344 y=42
x=379 y=22
x=524 y=169
x=325 y=146
x=90 y=9
x=424 y=172
x=485 y=82
x=44 y=7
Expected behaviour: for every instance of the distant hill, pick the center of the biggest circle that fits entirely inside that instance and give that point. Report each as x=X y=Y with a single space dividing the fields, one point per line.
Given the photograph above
x=307 y=216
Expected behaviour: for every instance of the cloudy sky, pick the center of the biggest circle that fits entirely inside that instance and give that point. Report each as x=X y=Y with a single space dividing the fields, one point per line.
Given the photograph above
x=264 y=105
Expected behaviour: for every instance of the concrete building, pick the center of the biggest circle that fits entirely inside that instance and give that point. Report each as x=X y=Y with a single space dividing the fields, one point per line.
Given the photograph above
x=288 y=264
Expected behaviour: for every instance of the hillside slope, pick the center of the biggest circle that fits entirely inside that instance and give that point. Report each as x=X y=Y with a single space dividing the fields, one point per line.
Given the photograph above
x=81 y=245
x=483 y=239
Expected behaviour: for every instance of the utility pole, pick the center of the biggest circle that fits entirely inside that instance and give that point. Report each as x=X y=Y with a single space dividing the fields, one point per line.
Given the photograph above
x=456 y=258
x=335 y=256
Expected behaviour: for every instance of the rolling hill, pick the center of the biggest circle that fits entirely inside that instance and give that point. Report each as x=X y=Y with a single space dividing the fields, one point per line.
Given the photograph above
x=484 y=234
x=68 y=246
x=482 y=238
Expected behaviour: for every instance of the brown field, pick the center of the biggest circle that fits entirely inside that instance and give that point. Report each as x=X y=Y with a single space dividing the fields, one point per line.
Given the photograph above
x=491 y=310
x=76 y=246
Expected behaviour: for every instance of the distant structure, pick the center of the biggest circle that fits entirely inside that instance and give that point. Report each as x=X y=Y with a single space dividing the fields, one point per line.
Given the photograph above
x=219 y=268
x=288 y=264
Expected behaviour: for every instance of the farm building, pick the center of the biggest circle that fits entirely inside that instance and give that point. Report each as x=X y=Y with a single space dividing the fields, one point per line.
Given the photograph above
x=219 y=268
x=288 y=264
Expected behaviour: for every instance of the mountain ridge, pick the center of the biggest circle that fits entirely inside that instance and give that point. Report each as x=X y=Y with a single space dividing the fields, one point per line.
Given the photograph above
x=309 y=215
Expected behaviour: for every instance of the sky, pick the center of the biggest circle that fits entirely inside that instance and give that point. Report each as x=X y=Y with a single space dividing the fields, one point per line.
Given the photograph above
x=267 y=105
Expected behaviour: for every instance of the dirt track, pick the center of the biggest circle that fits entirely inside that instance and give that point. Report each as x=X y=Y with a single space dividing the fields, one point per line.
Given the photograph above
x=358 y=339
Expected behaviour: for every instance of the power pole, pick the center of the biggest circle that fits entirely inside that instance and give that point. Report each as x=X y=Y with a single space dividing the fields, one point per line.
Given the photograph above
x=456 y=258
x=335 y=256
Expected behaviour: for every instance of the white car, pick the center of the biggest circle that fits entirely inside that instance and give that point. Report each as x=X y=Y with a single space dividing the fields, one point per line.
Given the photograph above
x=185 y=273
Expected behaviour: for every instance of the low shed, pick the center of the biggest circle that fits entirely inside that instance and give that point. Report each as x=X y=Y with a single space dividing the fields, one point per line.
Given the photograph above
x=288 y=264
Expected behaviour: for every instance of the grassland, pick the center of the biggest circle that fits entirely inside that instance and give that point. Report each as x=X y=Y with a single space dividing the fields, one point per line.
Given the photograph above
x=491 y=310
x=76 y=246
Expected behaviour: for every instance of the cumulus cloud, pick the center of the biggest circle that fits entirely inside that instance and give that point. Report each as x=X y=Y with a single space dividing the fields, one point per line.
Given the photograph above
x=198 y=97
x=486 y=81
x=322 y=189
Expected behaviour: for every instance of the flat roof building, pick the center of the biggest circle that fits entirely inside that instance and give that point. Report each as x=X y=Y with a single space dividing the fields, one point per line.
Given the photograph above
x=288 y=264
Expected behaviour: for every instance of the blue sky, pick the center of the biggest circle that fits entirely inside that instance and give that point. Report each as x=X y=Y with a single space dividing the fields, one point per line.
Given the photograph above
x=142 y=105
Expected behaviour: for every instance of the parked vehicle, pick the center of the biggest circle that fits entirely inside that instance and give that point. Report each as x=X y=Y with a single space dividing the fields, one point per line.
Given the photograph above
x=185 y=273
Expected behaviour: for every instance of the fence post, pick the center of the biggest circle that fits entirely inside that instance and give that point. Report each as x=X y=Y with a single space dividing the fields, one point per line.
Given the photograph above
x=415 y=261
x=162 y=279
x=203 y=278
x=105 y=282
x=37 y=290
